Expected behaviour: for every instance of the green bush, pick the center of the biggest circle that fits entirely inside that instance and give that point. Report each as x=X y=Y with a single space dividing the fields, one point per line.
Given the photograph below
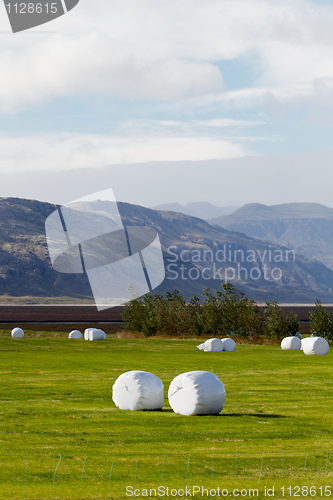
x=321 y=323
x=222 y=313
x=229 y=311
x=278 y=324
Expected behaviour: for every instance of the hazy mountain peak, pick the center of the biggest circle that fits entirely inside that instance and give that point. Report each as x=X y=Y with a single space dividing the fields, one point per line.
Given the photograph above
x=201 y=209
x=305 y=227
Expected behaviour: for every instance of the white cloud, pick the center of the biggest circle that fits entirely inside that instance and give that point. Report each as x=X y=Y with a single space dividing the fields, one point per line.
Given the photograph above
x=160 y=50
x=226 y=122
x=190 y=128
x=76 y=151
x=62 y=65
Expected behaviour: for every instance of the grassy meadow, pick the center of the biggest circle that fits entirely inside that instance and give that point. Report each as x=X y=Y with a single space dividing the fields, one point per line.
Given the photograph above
x=62 y=437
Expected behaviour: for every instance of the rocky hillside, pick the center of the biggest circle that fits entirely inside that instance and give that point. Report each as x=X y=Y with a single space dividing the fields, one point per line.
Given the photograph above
x=196 y=255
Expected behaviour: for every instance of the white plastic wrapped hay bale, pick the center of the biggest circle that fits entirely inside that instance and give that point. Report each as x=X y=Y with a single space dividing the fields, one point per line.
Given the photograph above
x=17 y=333
x=138 y=390
x=75 y=334
x=197 y=393
x=291 y=344
x=96 y=334
x=315 y=345
x=211 y=345
x=87 y=331
x=228 y=344
x=303 y=341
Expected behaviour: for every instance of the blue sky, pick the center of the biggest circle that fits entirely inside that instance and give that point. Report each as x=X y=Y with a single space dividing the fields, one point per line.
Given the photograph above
x=184 y=80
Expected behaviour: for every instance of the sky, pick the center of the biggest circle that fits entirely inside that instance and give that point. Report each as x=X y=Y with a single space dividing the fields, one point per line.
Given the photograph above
x=227 y=101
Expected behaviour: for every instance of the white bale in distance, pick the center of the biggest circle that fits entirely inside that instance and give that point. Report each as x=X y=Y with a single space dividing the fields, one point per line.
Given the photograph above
x=90 y=334
x=17 y=333
x=315 y=345
x=304 y=341
x=211 y=345
x=75 y=334
x=96 y=334
x=197 y=393
x=87 y=331
x=138 y=390
x=228 y=344
x=291 y=344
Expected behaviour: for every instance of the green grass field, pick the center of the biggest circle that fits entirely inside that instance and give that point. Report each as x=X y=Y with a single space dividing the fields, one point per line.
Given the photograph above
x=62 y=436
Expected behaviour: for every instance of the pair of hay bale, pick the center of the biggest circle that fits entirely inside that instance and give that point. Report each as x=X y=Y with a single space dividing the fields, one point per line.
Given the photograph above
x=215 y=344
x=89 y=334
x=190 y=393
x=309 y=345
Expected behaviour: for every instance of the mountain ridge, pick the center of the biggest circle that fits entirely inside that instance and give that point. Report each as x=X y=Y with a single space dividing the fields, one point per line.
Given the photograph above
x=305 y=227
x=201 y=209
x=196 y=254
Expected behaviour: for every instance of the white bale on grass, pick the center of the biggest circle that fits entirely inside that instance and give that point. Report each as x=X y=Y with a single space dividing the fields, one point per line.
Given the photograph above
x=17 y=333
x=197 y=393
x=291 y=344
x=315 y=345
x=228 y=344
x=94 y=334
x=97 y=334
x=303 y=341
x=138 y=390
x=87 y=331
x=211 y=345
x=75 y=334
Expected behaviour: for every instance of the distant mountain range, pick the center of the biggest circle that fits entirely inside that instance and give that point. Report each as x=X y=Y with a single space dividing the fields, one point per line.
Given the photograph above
x=305 y=227
x=196 y=255
x=201 y=209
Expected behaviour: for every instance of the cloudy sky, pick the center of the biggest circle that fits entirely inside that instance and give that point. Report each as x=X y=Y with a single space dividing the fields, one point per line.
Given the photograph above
x=130 y=93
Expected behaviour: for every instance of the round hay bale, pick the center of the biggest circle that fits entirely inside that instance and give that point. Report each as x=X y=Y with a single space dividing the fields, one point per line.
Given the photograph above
x=291 y=344
x=315 y=345
x=228 y=344
x=97 y=334
x=197 y=393
x=211 y=345
x=17 y=333
x=75 y=334
x=138 y=390
x=303 y=342
x=94 y=334
x=87 y=331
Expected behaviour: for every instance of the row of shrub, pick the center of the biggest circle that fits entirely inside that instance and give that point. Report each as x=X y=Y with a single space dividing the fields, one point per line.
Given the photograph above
x=225 y=312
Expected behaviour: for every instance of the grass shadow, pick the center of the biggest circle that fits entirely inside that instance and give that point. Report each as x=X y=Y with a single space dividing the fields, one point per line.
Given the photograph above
x=258 y=415
x=225 y=415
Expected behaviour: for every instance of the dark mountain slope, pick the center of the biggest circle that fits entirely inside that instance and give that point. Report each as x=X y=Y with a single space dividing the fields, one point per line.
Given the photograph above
x=196 y=255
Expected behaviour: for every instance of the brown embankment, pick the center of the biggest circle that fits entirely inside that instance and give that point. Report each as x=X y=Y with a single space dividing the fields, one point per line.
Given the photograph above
x=59 y=317
x=89 y=314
